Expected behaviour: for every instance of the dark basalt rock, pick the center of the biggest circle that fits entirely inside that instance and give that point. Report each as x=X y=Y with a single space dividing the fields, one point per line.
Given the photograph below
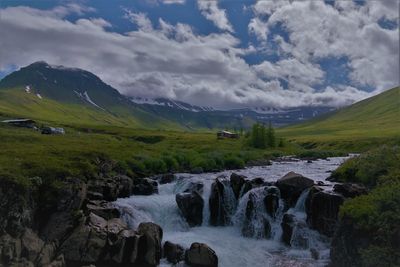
x=191 y=205
x=237 y=182
x=173 y=253
x=110 y=188
x=350 y=190
x=288 y=223
x=322 y=210
x=271 y=200
x=292 y=185
x=218 y=214
x=149 y=252
x=201 y=255
x=254 y=183
x=194 y=186
x=103 y=209
x=248 y=229
x=145 y=186
x=166 y=178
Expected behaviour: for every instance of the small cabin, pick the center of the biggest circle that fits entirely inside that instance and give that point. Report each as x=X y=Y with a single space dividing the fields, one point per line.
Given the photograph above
x=27 y=123
x=52 y=130
x=226 y=134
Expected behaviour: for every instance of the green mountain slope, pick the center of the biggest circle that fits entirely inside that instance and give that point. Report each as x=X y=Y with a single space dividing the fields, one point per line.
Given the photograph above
x=71 y=96
x=375 y=117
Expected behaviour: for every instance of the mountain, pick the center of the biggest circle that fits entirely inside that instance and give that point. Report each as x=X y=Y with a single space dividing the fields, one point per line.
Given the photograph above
x=375 y=117
x=70 y=95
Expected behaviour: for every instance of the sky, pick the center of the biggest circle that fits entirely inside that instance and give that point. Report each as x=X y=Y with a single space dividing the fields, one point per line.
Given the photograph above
x=220 y=53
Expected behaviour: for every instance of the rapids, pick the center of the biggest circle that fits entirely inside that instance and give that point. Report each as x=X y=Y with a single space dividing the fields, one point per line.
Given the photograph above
x=232 y=248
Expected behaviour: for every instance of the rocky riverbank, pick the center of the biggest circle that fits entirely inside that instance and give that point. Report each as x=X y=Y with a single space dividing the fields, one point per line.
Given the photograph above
x=81 y=226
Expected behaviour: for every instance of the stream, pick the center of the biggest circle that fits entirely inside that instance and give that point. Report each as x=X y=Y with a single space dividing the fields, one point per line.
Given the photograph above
x=232 y=249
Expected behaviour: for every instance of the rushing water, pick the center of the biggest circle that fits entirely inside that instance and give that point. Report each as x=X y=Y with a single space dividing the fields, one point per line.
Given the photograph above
x=231 y=247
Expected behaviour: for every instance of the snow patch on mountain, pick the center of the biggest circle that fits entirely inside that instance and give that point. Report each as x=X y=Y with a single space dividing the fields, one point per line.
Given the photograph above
x=28 y=89
x=39 y=96
x=85 y=96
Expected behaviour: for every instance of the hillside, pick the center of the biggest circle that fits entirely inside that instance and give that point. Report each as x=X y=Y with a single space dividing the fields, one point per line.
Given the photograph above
x=377 y=117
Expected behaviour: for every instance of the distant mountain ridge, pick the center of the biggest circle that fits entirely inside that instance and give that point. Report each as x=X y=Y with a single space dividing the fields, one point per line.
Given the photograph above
x=49 y=92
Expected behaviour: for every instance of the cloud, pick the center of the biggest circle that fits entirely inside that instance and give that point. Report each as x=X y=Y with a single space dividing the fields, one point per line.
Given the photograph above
x=169 y=2
x=318 y=30
x=172 y=60
x=210 y=10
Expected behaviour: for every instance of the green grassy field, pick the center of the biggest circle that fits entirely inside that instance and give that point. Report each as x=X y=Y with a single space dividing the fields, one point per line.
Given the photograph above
x=368 y=123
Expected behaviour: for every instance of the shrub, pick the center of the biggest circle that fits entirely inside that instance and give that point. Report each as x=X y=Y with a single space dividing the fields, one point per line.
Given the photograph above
x=232 y=162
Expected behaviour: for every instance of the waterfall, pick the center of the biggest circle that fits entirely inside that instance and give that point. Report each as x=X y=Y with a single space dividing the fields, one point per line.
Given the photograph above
x=263 y=246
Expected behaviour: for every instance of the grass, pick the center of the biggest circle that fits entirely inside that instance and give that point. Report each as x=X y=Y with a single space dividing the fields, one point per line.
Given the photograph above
x=368 y=123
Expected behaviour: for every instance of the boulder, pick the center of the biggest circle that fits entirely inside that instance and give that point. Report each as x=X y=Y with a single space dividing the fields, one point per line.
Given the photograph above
x=237 y=182
x=98 y=241
x=292 y=185
x=150 y=244
x=191 y=205
x=166 y=178
x=271 y=200
x=350 y=190
x=110 y=188
x=103 y=209
x=322 y=208
x=173 y=253
x=145 y=186
x=219 y=213
x=194 y=186
x=254 y=183
x=201 y=255
x=255 y=224
x=288 y=223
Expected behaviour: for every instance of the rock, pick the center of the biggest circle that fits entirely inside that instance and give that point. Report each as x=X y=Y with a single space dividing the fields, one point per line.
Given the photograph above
x=255 y=225
x=288 y=223
x=110 y=188
x=150 y=244
x=271 y=200
x=16 y=208
x=347 y=243
x=55 y=222
x=350 y=190
x=237 y=182
x=99 y=241
x=191 y=205
x=219 y=213
x=322 y=210
x=166 y=178
x=10 y=249
x=58 y=262
x=201 y=255
x=292 y=185
x=173 y=253
x=254 y=183
x=103 y=209
x=314 y=253
x=145 y=186
x=194 y=186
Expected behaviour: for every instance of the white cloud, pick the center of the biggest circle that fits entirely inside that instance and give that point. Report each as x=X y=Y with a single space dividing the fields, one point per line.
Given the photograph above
x=318 y=30
x=169 y=2
x=210 y=10
x=166 y=60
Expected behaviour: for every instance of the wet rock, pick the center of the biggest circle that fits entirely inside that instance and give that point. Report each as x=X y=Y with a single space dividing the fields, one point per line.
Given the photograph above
x=191 y=205
x=145 y=186
x=288 y=223
x=271 y=200
x=173 y=253
x=237 y=182
x=201 y=255
x=166 y=178
x=103 y=209
x=292 y=185
x=194 y=186
x=150 y=244
x=314 y=253
x=322 y=210
x=350 y=190
x=10 y=249
x=218 y=215
x=249 y=185
x=255 y=225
